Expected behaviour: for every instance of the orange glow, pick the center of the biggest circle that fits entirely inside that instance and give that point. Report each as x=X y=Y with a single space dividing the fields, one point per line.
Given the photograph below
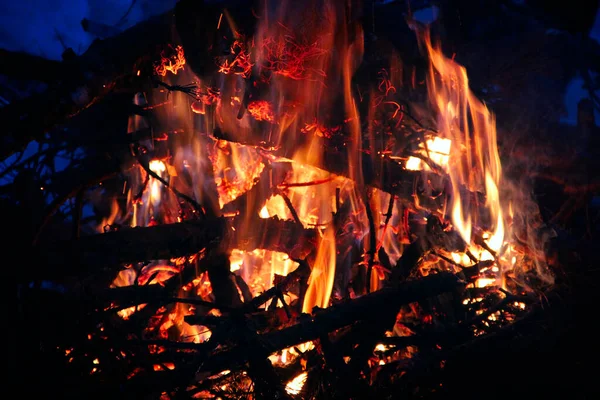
x=289 y=354
x=163 y=366
x=172 y=62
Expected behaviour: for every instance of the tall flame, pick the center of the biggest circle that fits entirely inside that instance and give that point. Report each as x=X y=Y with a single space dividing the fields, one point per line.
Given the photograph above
x=321 y=277
x=474 y=161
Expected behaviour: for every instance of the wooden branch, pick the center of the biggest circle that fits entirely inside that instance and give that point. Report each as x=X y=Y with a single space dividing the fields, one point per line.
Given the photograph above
x=300 y=273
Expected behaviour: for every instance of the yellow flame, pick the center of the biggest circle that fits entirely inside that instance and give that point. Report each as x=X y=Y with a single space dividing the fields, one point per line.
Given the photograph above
x=321 y=277
x=158 y=167
x=436 y=149
x=294 y=387
x=259 y=267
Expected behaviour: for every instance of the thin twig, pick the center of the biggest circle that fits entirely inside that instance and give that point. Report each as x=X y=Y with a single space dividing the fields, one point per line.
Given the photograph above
x=191 y=89
x=372 y=239
x=388 y=216
x=290 y=206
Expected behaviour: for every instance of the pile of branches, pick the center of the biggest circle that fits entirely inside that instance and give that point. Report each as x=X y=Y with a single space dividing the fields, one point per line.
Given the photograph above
x=78 y=345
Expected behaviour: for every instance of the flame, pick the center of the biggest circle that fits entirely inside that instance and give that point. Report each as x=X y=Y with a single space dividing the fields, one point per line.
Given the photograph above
x=172 y=62
x=158 y=167
x=114 y=212
x=310 y=190
x=436 y=150
x=321 y=277
x=294 y=387
x=259 y=267
x=235 y=168
x=474 y=158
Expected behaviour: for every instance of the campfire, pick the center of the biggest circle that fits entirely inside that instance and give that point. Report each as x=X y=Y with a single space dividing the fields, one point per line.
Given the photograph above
x=299 y=216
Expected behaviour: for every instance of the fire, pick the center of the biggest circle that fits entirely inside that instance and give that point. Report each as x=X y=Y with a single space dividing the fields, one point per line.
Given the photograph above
x=172 y=62
x=235 y=167
x=466 y=150
x=259 y=267
x=320 y=282
x=436 y=150
x=294 y=387
x=108 y=221
x=158 y=167
x=303 y=85
x=474 y=160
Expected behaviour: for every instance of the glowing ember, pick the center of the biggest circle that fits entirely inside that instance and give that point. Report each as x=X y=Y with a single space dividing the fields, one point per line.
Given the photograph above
x=291 y=59
x=294 y=387
x=261 y=111
x=239 y=61
x=289 y=354
x=171 y=60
